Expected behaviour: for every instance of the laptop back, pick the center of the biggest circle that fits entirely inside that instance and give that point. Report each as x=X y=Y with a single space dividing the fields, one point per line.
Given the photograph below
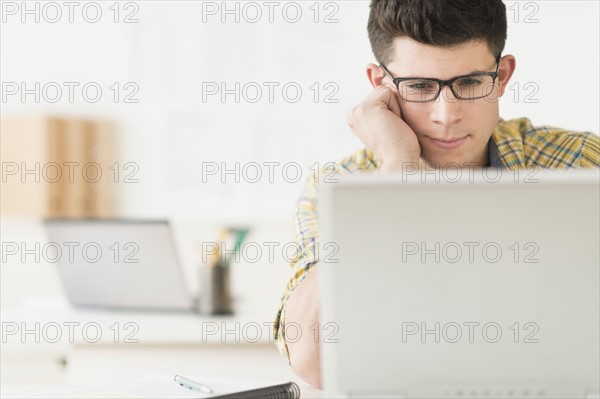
x=118 y=264
x=461 y=288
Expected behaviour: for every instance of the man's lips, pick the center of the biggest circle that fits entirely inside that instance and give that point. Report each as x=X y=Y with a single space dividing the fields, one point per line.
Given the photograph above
x=448 y=143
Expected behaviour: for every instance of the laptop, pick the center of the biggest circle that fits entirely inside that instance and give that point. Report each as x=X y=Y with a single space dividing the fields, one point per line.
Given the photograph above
x=485 y=285
x=118 y=264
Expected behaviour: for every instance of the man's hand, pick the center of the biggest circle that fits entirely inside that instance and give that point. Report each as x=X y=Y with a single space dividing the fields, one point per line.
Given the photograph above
x=378 y=123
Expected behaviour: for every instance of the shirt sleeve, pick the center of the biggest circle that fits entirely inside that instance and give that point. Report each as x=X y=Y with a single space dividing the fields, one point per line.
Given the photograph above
x=555 y=148
x=590 y=152
x=306 y=229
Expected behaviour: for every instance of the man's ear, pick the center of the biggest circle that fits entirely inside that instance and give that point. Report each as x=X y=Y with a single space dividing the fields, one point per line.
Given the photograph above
x=375 y=75
x=506 y=69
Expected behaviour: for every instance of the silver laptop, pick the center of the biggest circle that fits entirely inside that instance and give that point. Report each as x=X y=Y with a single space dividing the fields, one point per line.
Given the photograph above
x=485 y=285
x=115 y=264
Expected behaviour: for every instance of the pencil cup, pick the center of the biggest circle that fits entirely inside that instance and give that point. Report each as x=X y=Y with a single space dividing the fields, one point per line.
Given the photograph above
x=215 y=293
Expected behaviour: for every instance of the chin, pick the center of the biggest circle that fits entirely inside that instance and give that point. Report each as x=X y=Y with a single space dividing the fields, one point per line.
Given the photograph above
x=442 y=160
x=463 y=156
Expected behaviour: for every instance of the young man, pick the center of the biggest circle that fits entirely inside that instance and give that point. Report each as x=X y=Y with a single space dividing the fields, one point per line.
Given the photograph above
x=435 y=104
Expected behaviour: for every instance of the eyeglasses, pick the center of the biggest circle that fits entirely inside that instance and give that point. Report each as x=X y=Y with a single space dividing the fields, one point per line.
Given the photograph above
x=465 y=87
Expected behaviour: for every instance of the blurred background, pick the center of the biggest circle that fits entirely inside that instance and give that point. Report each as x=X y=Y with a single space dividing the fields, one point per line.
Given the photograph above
x=212 y=114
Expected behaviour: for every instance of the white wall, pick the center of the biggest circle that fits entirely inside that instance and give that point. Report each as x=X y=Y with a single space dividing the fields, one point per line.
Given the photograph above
x=170 y=132
x=170 y=52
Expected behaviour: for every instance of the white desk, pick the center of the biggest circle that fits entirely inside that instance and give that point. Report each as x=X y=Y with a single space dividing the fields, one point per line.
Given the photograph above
x=183 y=343
x=134 y=344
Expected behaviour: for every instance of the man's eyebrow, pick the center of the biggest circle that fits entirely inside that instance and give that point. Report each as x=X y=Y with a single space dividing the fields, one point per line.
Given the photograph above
x=473 y=72
x=476 y=71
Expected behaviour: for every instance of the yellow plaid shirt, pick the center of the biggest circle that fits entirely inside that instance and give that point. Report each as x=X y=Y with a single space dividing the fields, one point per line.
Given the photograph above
x=519 y=145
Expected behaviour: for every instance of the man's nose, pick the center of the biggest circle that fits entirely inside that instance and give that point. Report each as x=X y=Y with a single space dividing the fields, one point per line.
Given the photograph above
x=447 y=110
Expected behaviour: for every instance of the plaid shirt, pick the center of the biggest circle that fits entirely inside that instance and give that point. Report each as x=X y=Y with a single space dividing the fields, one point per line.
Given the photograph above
x=517 y=145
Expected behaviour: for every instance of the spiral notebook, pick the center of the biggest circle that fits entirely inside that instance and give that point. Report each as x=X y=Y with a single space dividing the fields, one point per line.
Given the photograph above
x=163 y=386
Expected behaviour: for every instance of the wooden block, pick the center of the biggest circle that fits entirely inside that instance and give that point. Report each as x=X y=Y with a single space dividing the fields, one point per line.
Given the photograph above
x=57 y=167
x=32 y=159
x=102 y=152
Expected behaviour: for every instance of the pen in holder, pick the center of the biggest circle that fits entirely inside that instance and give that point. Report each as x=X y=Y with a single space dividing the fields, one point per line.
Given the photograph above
x=215 y=294
x=215 y=287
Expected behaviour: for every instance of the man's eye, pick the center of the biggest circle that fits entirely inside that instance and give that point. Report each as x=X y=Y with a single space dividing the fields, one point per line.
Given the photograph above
x=469 y=82
x=422 y=86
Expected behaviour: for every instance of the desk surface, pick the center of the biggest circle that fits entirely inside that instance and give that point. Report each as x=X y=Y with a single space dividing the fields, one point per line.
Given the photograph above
x=185 y=342
x=84 y=326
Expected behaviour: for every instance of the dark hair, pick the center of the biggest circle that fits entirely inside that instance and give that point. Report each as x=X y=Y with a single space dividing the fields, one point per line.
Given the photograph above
x=437 y=22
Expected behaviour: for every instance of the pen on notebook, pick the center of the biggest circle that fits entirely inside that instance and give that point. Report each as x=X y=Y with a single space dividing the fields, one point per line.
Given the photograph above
x=196 y=386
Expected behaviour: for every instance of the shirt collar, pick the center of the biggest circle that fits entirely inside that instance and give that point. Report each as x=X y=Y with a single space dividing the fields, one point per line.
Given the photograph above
x=508 y=137
x=495 y=161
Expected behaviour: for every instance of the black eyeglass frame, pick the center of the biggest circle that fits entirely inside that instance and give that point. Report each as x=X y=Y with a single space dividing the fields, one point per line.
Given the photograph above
x=442 y=83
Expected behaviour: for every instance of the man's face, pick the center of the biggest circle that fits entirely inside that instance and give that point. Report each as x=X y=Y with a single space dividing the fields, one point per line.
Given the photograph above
x=449 y=130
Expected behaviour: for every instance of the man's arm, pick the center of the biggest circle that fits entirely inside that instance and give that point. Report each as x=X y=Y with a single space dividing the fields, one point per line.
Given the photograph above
x=298 y=305
x=303 y=310
x=377 y=122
